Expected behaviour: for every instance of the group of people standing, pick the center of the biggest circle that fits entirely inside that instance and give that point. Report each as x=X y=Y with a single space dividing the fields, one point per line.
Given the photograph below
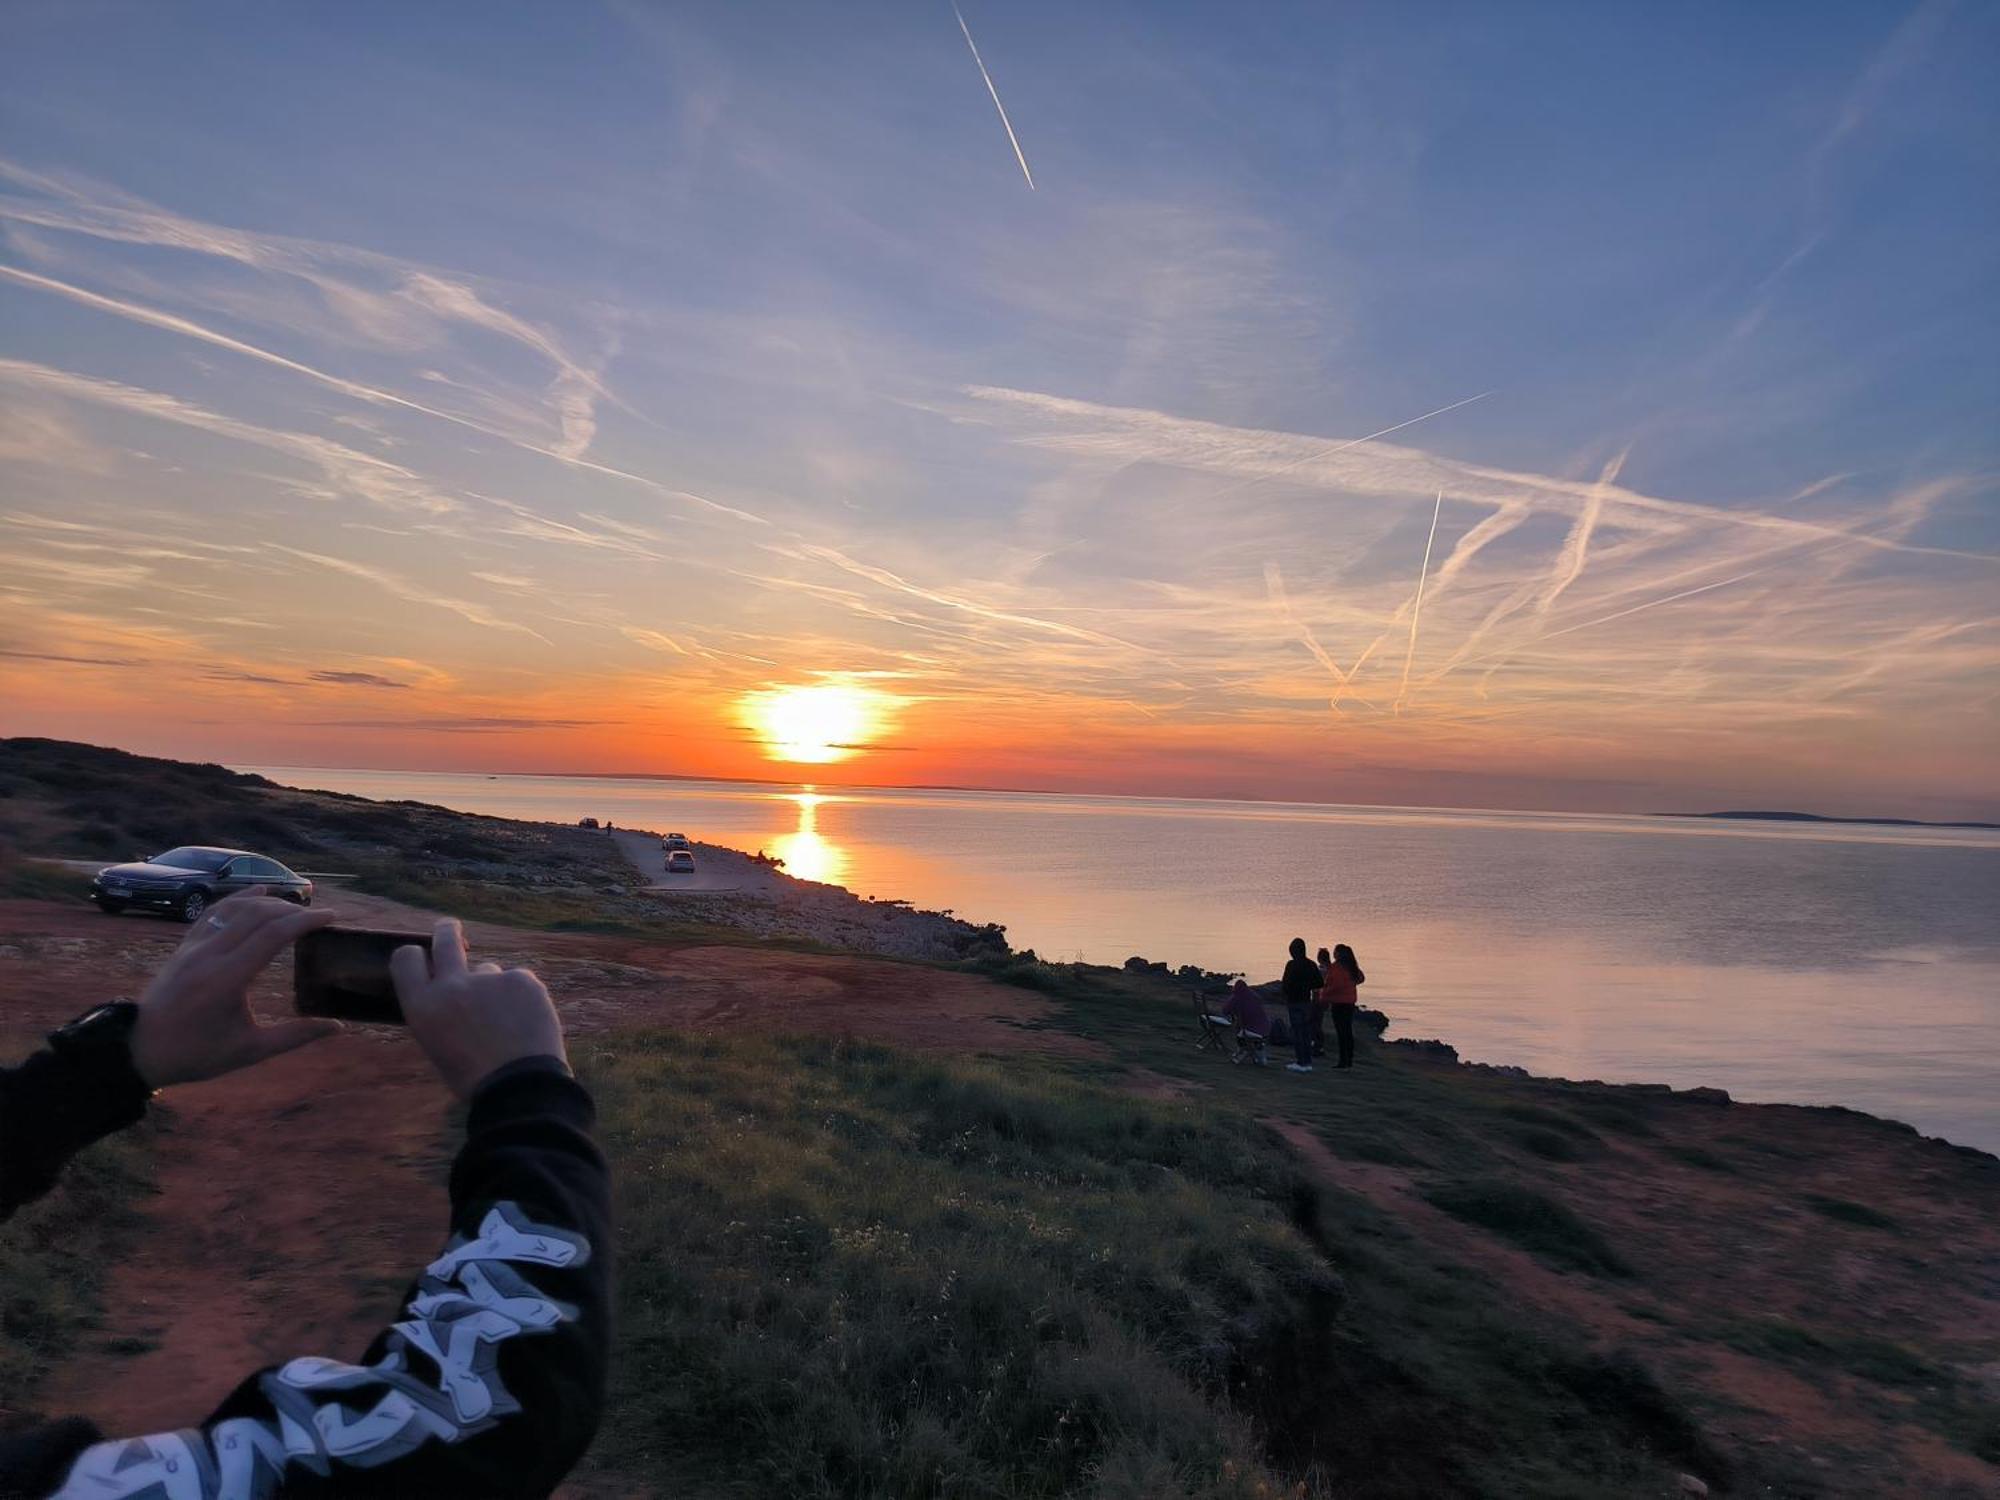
x=1313 y=990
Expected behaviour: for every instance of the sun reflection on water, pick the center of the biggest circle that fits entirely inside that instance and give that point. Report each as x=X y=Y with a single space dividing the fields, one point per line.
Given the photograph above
x=807 y=854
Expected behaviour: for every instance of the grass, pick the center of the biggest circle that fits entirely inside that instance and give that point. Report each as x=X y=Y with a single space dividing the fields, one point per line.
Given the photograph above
x=848 y=1271
x=517 y=906
x=37 y=880
x=1549 y=1145
x=1948 y=1403
x=1537 y=1223
x=1701 y=1156
x=1846 y=1212
x=1879 y=1360
x=53 y=1255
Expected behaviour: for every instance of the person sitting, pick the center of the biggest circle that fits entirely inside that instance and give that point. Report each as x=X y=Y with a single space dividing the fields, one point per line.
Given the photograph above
x=491 y=1381
x=1252 y=1022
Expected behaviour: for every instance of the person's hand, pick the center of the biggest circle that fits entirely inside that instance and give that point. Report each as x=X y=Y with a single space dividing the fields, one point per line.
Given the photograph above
x=470 y=1020
x=194 y=1017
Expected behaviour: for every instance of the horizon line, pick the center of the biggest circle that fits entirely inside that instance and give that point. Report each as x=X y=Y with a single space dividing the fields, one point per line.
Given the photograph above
x=1760 y=814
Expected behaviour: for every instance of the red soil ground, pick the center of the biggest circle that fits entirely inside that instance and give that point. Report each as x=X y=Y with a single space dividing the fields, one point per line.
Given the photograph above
x=296 y=1198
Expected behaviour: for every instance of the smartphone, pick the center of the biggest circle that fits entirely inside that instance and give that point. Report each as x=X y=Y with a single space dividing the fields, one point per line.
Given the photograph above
x=343 y=972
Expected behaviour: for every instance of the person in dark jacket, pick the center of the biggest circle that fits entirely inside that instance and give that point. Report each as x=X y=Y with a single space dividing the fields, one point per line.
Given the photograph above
x=1300 y=980
x=492 y=1380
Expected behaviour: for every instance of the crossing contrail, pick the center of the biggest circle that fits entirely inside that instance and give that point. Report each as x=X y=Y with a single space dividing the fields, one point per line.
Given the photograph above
x=1012 y=139
x=1342 y=447
x=1499 y=657
x=1651 y=604
x=1417 y=609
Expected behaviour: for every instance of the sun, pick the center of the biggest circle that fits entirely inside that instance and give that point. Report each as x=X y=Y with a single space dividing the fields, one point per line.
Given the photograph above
x=825 y=722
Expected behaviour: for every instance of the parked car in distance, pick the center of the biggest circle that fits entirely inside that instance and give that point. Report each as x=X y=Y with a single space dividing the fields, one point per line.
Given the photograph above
x=185 y=882
x=680 y=862
x=675 y=841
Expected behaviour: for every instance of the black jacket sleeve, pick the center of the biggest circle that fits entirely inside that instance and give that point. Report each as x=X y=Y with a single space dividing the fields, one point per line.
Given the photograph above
x=491 y=1382
x=51 y=1107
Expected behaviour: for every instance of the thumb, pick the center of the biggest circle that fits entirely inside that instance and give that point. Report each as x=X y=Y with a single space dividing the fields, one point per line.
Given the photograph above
x=285 y=1036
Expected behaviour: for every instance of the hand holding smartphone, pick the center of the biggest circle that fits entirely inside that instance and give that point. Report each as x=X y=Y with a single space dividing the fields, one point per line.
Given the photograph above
x=343 y=973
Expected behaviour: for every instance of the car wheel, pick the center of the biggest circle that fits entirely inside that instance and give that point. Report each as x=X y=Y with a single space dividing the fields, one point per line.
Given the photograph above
x=193 y=904
x=110 y=908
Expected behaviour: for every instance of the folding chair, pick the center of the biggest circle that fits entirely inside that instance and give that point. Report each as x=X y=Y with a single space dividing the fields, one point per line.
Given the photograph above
x=1218 y=1033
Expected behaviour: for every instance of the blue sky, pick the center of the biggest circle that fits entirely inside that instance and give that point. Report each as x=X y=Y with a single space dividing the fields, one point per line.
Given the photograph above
x=1723 y=278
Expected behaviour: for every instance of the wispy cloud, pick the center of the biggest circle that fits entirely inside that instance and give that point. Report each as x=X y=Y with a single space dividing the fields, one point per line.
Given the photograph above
x=401 y=306
x=409 y=592
x=498 y=725
x=68 y=660
x=347 y=469
x=350 y=678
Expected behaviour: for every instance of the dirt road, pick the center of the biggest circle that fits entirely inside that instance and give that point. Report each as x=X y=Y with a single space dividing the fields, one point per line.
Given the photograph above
x=717 y=871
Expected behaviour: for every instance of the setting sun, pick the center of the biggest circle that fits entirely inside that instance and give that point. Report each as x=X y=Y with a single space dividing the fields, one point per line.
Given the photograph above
x=818 y=724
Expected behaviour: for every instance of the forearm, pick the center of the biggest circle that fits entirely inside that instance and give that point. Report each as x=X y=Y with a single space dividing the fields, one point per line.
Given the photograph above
x=51 y=1107
x=492 y=1379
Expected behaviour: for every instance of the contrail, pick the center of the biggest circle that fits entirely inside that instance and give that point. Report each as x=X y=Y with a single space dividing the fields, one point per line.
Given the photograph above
x=1012 y=139
x=1514 y=650
x=1650 y=604
x=1274 y=585
x=1417 y=610
x=1343 y=447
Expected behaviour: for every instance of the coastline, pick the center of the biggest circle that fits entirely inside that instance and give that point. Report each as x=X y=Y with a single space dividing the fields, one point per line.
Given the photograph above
x=1795 y=1299
x=561 y=875
x=829 y=914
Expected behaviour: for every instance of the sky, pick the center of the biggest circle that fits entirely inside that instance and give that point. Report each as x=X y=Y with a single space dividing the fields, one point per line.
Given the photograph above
x=1584 y=406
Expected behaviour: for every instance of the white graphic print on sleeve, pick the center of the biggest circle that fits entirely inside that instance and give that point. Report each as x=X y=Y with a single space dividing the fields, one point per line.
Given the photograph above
x=468 y=1302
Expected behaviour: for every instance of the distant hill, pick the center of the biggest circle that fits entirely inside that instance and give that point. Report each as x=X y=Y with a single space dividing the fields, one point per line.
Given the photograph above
x=77 y=801
x=1806 y=817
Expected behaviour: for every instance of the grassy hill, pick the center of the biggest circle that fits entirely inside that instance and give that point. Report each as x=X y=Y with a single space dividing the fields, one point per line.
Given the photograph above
x=87 y=802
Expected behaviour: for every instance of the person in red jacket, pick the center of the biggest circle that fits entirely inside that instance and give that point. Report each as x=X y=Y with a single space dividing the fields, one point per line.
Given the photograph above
x=1341 y=975
x=492 y=1379
x=1322 y=998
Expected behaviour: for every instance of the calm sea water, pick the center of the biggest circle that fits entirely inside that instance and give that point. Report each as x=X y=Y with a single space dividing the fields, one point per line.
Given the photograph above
x=1816 y=964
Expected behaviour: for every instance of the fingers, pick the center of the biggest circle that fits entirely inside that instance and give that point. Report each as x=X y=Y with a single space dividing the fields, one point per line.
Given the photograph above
x=410 y=972
x=261 y=942
x=233 y=919
x=488 y=968
x=448 y=949
x=286 y=1036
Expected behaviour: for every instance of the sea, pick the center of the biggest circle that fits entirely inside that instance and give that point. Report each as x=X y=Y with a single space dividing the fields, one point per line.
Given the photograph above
x=1805 y=963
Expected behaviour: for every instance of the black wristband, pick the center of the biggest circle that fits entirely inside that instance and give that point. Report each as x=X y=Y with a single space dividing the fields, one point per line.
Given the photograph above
x=97 y=1048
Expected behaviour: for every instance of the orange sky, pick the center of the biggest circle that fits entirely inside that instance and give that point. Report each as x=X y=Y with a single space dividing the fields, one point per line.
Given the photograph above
x=1353 y=461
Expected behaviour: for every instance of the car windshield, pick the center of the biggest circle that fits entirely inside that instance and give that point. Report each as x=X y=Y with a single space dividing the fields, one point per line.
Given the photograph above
x=192 y=859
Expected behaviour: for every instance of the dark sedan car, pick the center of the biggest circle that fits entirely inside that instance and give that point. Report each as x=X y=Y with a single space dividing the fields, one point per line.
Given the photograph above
x=185 y=882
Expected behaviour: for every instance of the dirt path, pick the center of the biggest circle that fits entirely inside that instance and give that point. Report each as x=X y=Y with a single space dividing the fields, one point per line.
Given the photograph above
x=716 y=869
x=297 y=1198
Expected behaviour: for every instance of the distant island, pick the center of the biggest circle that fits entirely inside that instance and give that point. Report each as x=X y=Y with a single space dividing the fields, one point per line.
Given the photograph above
x=1806 y=817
